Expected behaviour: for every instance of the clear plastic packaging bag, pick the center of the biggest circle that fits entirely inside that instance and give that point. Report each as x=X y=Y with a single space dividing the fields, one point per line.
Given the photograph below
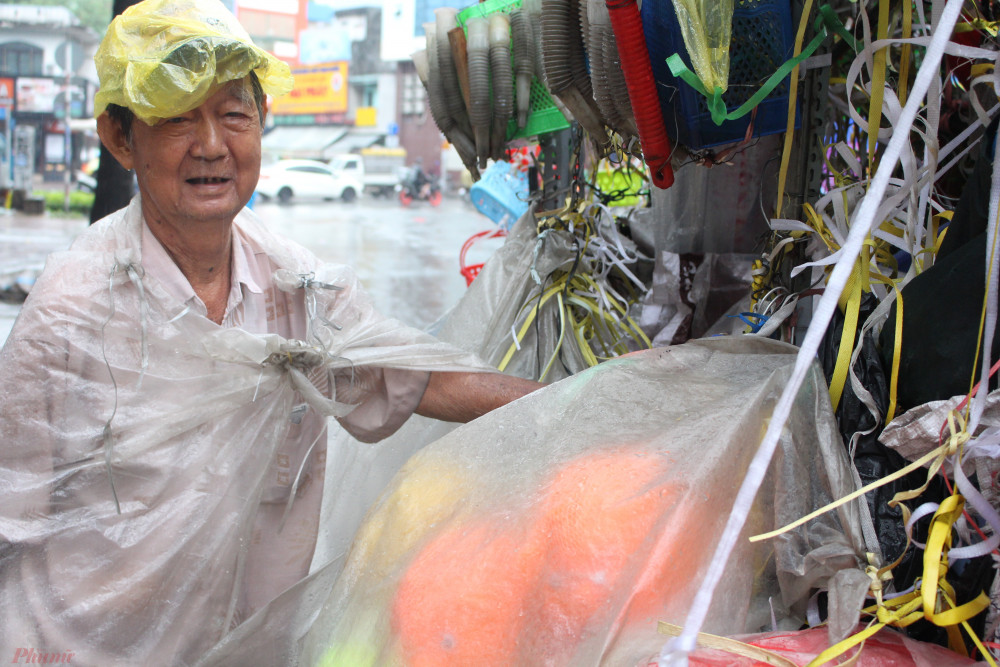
x=561 y=528
x=707 y=28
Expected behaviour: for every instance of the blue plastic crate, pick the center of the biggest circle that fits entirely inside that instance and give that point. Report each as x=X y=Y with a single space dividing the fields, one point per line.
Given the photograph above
x=501 y=194
x=762 y=40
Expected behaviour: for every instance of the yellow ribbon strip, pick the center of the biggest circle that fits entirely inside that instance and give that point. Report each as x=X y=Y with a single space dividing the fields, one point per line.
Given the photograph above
x=852 y=308
x=992 y=27
x=904 y=55
x=793 y=91
x=897 y=348
x=878 y=86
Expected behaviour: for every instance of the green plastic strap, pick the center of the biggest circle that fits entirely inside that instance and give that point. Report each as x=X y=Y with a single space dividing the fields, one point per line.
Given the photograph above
x=827 y=20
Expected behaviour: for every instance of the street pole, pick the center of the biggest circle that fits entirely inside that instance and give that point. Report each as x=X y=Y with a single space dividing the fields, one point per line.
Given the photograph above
x=68 y=138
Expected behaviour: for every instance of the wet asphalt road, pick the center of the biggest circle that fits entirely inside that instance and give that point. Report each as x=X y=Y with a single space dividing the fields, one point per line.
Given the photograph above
x=407 y=258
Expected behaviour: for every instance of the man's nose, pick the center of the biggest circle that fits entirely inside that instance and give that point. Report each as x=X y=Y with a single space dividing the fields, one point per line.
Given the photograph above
x=209 y=141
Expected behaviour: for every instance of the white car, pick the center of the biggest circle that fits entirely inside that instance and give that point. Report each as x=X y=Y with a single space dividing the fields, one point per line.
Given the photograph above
x=305 y=179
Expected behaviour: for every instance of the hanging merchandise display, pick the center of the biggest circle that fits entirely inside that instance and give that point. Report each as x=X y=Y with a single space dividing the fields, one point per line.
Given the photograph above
x=426 y=63
x=875 y=231
x=855 y=248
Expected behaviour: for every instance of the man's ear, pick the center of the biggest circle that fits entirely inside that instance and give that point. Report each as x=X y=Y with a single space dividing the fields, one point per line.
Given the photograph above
x=114 y=140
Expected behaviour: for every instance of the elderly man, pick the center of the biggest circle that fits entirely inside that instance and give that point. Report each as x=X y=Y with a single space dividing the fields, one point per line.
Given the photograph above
x=166 y=387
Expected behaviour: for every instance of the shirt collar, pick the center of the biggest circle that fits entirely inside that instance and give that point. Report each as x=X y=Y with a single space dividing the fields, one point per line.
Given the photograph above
x=157 y=261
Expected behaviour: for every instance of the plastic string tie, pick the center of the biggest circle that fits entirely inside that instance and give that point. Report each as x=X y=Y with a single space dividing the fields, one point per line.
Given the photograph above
x=107 y=435
x=877 y=85
x=753 y=320
x=793 y=91
x=729 y=645
x=312 y=287
x=539 y=244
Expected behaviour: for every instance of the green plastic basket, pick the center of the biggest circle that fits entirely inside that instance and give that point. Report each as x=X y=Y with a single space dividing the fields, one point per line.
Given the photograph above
x=545 y=116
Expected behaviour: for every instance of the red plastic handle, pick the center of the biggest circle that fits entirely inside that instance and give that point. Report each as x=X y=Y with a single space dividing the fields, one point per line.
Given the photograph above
x=627 y=26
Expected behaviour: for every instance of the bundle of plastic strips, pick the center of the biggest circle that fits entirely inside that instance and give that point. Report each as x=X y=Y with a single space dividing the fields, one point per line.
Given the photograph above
x=893 y=208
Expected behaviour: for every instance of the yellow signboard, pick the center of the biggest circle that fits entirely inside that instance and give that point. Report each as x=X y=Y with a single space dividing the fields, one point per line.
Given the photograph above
x=318 y=89
x=365 y=117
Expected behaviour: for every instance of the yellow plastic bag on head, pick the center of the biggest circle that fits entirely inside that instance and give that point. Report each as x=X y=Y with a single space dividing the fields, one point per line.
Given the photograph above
x=161 y=58
x=707 y=28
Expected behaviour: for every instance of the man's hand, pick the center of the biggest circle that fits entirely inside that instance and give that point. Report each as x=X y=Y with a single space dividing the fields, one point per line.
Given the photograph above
x=461 y=397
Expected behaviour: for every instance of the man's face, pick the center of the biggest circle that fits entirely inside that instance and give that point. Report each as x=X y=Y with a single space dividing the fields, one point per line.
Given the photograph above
x=200 y=166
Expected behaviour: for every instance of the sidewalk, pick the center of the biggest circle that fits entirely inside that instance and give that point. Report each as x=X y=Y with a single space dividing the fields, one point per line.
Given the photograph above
x=25 y=242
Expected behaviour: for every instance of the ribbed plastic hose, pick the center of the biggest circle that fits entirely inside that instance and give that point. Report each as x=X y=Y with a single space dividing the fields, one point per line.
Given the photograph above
x=478 y=57
x=428 y=71
x=556 y=49
x=522 y=35
x=616 y=84
x=503 y=82
x=580 y=31
x=533 y=8
x=627 y=26
x=445 y=21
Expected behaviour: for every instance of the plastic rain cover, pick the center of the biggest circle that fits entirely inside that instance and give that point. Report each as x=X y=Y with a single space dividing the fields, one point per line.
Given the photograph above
x=559 y=529
x=161 y=58
x=176 y=423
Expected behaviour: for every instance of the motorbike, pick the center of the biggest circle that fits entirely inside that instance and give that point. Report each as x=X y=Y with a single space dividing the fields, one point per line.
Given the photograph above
x=418 y=187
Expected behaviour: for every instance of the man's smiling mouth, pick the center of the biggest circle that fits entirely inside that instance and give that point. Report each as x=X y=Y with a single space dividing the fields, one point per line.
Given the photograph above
x=208 y=180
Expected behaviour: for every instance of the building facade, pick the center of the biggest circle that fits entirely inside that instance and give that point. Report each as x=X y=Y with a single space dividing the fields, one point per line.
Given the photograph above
x=47 y=83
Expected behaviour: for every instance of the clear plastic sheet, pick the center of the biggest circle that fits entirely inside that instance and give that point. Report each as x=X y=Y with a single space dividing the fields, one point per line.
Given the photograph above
x=117 y=396
x=690 y=294
x=559 y=529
